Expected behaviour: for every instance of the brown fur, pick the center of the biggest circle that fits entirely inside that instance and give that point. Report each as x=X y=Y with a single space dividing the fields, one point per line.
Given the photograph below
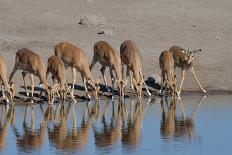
x=179 y=57
x=184 y=60
x=58 y=71
x=107 y=56
x=31 y=63
x=166 y=62
x=131 y=57
x=76 y=58
x=65 y=139
x=31 y=137
x=7 y=112
x=7 y=89
x=111 y=131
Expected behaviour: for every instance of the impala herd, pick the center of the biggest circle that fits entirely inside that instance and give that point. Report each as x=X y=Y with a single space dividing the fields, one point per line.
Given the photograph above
x=68 y=55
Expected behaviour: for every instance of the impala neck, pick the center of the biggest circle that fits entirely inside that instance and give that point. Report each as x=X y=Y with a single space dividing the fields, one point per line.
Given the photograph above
x=118 y=72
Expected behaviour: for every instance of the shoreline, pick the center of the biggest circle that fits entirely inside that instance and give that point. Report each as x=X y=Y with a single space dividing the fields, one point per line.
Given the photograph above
x=22 y=100
x=153 y=25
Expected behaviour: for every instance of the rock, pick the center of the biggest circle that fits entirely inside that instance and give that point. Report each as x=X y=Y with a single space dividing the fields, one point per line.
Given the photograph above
x=106 y=32
x=93 y=20
x=218 y=38
x=154 y=79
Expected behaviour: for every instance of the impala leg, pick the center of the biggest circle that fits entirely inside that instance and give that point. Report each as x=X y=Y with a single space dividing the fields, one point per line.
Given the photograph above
x=131 y=78
x=103 y=68
x=112 y=80
x=32 y=85
x=127 y=76
x=74 y=119
x=25 y=114
x=3 y=90
x=67 y=87
x=182 y=109
x=32 y=119
x=148 y=92
x=84 y=83
x=47 y=72
x=162 y=81
x=123 y=71
x=182 y=80
x=74 y=76
x=16 y=67
x=198 y=82
x=25 y=83
x=94 y=61
x=141 y=75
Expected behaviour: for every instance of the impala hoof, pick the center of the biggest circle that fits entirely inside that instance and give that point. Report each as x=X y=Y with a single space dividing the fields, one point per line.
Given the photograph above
x=89 y=97
x=27 y=93
x=40 y=85
x=32 y=100
x=7 y=100
x=73 y=99
x=178 y=94
x=69 y=89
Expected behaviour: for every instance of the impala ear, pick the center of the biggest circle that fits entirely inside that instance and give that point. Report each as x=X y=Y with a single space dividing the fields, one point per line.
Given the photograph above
x=197 y=51
x=183 y=50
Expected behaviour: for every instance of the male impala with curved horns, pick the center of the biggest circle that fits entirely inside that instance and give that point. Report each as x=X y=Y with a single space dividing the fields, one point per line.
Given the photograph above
x=184 y=60
x=7 y=88
x=31 y=63
x=130 y=56
x=75 y=58
x=107 y=56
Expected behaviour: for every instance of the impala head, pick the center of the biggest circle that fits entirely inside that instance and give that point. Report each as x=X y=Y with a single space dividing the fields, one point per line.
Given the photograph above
x=63 y=94
x=189 y=55
x=50 y=94
x=95 y=88
x=138 y=86
x=173 y=86
x=9 y=93
x=121 y=87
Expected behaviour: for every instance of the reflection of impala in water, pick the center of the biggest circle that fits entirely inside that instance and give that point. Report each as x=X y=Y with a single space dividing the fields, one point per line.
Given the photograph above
x=122 y=126
x=131 y=131
x=176 y=127
x=31 y=137
x=76 y=138
x=6 y=118
x=110 y=133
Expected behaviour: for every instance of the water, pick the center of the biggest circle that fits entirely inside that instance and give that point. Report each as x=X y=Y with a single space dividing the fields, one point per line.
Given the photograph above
x=192 y=125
